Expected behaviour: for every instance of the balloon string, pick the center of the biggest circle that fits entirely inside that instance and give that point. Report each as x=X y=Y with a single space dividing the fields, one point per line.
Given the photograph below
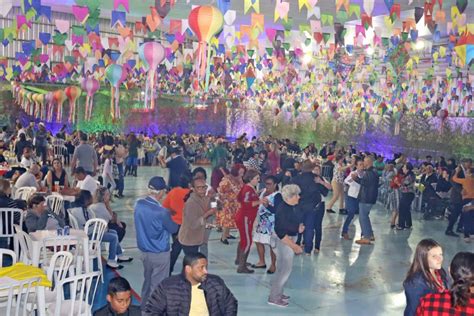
x=208 y=67
x=152 y=90
x=112 y=112
x=203 y=60
x=147 y=87
x=117 y=107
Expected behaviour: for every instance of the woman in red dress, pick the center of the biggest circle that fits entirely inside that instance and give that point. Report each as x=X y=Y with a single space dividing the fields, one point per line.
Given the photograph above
x=249 y=203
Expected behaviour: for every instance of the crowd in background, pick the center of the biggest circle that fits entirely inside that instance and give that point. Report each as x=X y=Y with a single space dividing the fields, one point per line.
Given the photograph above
x=273 y=185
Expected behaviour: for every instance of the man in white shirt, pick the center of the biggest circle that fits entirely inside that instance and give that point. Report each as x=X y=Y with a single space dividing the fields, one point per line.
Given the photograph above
x=85 y=181
x=352 y=201
x=27 y=160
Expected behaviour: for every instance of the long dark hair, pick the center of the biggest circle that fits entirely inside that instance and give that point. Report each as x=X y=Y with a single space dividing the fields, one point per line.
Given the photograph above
x=462 y=272
x=421 y=266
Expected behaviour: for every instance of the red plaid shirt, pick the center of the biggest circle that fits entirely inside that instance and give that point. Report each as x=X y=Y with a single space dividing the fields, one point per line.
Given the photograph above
x=439 y=304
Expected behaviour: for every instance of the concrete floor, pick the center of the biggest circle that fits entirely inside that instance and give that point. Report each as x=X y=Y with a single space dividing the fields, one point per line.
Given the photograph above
x=343 y=279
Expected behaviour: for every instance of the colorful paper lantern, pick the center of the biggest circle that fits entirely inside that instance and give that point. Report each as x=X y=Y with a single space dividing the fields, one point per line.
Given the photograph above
x=72 y=94
x=205 y=21
x=114 y=74
x=90 y=85
x=152 y=54
x=58 y=99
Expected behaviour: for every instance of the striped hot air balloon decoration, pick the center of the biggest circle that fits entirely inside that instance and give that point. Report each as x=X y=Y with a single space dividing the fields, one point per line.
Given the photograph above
x=205 y=21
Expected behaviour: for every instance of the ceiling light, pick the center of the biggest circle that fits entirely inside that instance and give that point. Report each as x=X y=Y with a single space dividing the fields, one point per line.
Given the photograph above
x=307 y=58
x=419 y=45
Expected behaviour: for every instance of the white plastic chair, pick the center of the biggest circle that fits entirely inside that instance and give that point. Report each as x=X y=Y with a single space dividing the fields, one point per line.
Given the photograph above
x=18 y=295
x=57 y=271
x=82 y=288
x=96 y=228
x=59 y=148
x=24 y=193
x=7 y=252
x=26 y=246
x=56 y=204
x=7 y=222
x=54 y=245
x=73 y=220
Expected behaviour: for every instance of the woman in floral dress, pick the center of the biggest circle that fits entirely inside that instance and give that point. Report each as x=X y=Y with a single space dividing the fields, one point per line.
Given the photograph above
x=228 y=189
x=266 y=222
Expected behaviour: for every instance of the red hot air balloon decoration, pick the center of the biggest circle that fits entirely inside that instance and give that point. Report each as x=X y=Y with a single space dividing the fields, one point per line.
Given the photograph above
x=205 y=21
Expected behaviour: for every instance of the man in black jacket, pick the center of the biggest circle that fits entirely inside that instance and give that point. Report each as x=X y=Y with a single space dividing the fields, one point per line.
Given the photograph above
x=313 y=187
x=193 y=292
x=369 y=186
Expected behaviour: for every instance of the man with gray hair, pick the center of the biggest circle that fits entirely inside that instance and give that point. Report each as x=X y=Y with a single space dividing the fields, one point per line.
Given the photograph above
x=369 y=190
x=154 y=228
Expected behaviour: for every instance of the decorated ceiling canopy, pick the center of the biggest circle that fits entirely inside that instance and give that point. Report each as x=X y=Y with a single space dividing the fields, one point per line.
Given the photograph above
x=346 y=56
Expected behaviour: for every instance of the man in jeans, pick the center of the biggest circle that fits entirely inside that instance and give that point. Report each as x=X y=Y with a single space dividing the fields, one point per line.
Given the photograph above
x=369 y=184
x=154 y=227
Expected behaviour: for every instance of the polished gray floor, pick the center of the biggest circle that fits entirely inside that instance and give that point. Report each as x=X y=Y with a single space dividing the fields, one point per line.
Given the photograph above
x=343 y=279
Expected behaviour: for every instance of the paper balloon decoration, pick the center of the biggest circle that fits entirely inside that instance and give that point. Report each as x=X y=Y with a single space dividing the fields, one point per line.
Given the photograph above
x=152 y=54
x=205 y=21
x=114 y=74
x=38 y=99
x=72 y=94
x=90 y=86
x=58 y=99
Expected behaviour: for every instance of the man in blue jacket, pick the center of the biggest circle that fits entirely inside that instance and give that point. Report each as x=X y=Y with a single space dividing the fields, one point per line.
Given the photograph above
x=154 y=228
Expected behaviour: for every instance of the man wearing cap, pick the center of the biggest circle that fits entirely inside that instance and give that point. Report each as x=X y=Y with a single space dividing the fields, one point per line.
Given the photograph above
x=154 y=228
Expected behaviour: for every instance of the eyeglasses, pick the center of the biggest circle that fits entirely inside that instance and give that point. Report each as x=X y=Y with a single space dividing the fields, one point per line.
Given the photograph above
x=202 y=187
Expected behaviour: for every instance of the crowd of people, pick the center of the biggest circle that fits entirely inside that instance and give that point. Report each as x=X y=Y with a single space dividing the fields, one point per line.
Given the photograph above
x=272 y=185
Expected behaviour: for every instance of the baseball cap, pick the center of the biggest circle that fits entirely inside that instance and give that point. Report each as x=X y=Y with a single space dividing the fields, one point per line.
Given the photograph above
x=157 y=183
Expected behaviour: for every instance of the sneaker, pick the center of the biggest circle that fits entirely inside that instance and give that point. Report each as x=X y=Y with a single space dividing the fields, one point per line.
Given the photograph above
x=307 y=253
x=316 y=251
x=285 y=297
x=451 y=233
x=467 y=239
x=113 y=265
x=231 y=237
x=280 y=303
x=330 y=211
x=225 y=241
x=124 y=259
x=345 y=236
x=363 y=241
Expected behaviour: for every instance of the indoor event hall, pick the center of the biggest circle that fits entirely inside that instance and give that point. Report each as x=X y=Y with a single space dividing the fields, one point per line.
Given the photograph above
x=236 y=157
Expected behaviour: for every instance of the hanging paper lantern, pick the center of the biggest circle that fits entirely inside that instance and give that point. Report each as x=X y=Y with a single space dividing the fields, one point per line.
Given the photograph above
x=72 y=94
x=38 y=99
x=443 y=114
x=382 y=108
x=114 y=74
x=48 y=100
x=58 y=99
x=152 y=54
x=205 y=21
x=461 y=4
x=90 y=85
